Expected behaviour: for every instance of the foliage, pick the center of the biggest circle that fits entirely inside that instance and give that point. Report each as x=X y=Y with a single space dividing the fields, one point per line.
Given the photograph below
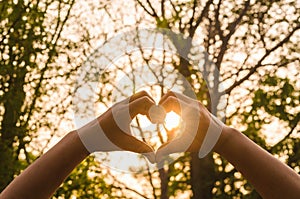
x=86 y=181
x=20 y=45
x=246 y=42
x=251 y=44
x=279 y=97
x=30 y=79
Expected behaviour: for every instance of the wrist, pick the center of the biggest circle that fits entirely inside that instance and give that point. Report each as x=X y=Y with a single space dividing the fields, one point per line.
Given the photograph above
x=90 y=136
x=227 y=134
x=78 y=142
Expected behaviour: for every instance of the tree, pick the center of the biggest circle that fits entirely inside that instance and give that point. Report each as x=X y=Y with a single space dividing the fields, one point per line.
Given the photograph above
x=28 y=49
x=243 y=40
x=86 y=181
x=43 y=43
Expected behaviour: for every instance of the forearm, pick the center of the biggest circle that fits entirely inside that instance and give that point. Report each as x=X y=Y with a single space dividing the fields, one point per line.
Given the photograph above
x=270 y=177
x=44 y=176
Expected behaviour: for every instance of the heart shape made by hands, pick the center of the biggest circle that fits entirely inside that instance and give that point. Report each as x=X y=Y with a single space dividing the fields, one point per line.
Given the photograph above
x=157 y=114
x=170 y=122
x=111 y=131
x=201 y=129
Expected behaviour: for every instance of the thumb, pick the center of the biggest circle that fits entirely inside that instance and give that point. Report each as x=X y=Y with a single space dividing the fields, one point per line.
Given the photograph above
x=174 y=146
x=150 y=156
x=133 y=144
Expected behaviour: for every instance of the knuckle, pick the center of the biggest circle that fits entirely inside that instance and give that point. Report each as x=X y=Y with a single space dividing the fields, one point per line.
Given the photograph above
x=172 y=99
x=146 y=99
x=144 y=93
x=170 y=93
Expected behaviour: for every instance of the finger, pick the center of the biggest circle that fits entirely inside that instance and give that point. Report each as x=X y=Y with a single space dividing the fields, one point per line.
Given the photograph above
x=140 y=94
x=157 y=114
x=150 y=156
x=140 y=105
x=174 y=146
x=173 y=104
x=176 y=95
x=130 y=143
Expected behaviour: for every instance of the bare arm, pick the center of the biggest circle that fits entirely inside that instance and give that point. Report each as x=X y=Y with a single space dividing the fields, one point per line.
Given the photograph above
x=44 y=176
x=270 y=177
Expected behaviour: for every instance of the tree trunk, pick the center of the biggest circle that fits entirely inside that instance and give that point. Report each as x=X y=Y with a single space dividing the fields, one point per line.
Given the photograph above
x=163 y=175
x=11 y=135
x=202 y=176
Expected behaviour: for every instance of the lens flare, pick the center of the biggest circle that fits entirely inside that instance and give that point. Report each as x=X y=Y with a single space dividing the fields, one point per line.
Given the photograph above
x=172 y=120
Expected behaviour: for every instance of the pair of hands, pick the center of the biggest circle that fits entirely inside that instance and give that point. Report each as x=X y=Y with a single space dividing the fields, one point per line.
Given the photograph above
x=111 y=130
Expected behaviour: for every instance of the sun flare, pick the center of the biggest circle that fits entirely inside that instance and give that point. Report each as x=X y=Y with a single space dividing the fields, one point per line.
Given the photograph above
x=172 y=120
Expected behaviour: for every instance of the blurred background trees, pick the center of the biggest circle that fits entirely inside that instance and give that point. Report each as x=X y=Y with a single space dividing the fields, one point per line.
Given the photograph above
x=29 y=53
x=253 y=85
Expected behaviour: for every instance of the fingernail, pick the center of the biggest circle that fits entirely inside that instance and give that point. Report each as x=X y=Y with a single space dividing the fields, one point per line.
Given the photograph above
x=157 y=114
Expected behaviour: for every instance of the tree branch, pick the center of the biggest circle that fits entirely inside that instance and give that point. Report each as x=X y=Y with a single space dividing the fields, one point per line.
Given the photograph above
x=162 y=7
x=129 y=189
x=193 y=15
x=50 y=56
x=287 y=135
x=259 y=63
x=204 y=12
x=154 y=14
x=153 y=10
x=218 y=24
x=232 y=28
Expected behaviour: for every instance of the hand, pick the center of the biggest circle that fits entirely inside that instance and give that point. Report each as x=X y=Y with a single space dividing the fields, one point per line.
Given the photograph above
x=201 y=129
x=111 y=131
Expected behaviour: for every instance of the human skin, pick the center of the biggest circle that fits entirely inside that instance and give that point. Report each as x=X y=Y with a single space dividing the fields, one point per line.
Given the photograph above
x=45 y=175
x=270 y=177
